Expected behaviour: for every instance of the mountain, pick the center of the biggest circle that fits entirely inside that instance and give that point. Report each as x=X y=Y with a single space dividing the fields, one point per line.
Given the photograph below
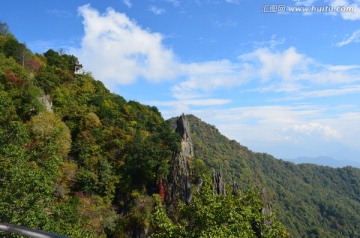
x=325 y=161
x=78 y=160
x=311 y=200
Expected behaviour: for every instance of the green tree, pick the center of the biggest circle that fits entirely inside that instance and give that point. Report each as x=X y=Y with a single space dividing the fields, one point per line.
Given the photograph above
x=212 y=215
x=62 y=61
x=7 y=109
x=50 y=137
x=47 y=79
x=4 y=29
x=145 y=162
x=13 y=48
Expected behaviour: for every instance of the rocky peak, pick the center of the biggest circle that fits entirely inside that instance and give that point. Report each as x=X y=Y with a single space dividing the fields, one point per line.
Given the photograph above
x=183 y=128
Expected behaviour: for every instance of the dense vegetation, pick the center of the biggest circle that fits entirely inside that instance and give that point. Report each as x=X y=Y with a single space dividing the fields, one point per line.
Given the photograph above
x=78 y=160
x=310 y=200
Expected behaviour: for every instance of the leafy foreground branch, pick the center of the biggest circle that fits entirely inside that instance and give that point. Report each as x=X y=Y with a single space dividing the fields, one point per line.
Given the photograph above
x=211 y=215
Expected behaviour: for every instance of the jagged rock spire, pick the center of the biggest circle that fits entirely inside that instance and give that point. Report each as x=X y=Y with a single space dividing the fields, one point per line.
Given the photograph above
x=178 y=181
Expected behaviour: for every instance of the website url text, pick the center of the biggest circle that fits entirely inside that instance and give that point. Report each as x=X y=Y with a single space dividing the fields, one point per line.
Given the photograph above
x=278 y=8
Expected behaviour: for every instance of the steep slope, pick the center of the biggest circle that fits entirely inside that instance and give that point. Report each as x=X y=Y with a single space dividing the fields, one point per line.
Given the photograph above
x=312 y=201
x=75 y=159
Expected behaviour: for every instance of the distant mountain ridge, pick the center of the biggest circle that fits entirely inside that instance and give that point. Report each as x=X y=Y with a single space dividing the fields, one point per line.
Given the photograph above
x=325 y=161
x=311 y=200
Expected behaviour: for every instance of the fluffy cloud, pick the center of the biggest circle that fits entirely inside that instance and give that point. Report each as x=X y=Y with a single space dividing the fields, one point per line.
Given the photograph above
x=118 y=51
x=278 y=64
x=290 y=67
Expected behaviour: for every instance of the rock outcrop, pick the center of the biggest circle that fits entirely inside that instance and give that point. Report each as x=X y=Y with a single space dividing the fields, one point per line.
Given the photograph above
x=179 y=179
x=46 y=101
x=219 y=185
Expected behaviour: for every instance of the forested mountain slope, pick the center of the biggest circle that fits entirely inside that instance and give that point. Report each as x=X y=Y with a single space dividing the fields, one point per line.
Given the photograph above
x=312 y=201
x=74 y=158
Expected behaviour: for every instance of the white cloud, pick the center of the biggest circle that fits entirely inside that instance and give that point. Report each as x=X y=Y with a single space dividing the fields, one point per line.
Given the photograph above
x=316 y=129
x=290 y=67
x=128 y=3
x=282 y=71
x=119 y=51
x=156 y=10
x=278 y=64
x=353 y=38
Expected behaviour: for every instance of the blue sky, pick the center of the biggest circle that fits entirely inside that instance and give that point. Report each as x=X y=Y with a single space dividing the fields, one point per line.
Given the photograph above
x=278 y=81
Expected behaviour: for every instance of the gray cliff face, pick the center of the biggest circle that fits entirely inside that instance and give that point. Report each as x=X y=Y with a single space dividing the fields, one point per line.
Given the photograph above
x=179 y=179
x=183 y=128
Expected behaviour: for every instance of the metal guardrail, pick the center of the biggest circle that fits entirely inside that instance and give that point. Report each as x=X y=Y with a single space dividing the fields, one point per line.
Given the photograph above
x=21 y=230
